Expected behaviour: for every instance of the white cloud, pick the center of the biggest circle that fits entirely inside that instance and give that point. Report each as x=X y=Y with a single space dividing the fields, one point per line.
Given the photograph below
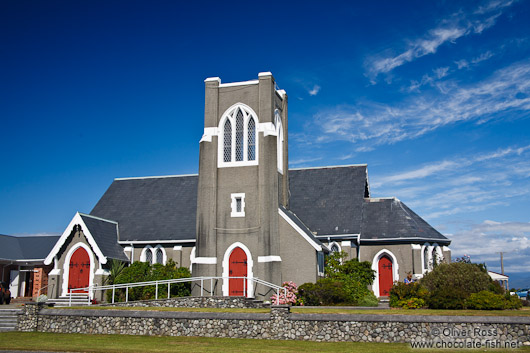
x=454 y=27
x=304 y=160
x=507 y=90
x=484 y=241
x=314 y=91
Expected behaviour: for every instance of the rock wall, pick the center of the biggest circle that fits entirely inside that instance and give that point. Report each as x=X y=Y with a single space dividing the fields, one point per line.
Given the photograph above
x=430 y=331
x=197 y=302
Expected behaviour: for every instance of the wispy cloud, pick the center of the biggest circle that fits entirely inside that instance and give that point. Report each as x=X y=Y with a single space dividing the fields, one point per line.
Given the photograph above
x=463 y=63
x=314 y=91
x=298 y=162
x=484 y=241
x=448 y=31
x=370 y=123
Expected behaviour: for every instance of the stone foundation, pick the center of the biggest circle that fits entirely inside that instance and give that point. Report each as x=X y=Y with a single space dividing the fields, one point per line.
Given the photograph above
x=280 y=324
x=197 y=302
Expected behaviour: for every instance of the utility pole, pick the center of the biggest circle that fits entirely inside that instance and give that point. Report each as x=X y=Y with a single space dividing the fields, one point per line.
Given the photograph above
x=502 y=263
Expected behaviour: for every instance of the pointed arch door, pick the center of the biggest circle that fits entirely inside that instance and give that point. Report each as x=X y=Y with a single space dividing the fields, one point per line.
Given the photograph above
x=386 y=277
x=238 y=267
x=79 y=270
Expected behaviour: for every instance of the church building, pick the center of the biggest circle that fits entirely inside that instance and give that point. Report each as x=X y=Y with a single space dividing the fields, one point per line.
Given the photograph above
x=246 y=214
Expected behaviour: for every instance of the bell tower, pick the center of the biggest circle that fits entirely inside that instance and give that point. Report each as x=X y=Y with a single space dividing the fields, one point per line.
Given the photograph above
x=243 y=178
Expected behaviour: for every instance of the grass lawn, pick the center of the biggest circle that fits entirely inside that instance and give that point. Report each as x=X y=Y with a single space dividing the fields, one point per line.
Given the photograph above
x=122 y=343
x=338 y=310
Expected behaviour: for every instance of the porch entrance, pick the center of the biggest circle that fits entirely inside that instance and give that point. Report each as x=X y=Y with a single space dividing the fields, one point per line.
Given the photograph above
x=237 y=268
x=79 y=271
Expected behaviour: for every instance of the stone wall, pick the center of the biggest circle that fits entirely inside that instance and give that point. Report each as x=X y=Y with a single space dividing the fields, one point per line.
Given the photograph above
x=453 y=331
x=196 y=302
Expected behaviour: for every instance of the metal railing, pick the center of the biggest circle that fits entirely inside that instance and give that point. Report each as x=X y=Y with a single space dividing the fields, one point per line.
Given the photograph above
x=90 y=291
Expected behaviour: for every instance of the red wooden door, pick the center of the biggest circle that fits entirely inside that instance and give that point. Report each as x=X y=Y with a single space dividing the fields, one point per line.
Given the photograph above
x=238 y=268
x=78 y=276
x=385 y=276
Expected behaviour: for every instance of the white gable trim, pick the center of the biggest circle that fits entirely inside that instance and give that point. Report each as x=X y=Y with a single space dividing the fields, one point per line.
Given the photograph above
x=299 y=230
x=76 y=220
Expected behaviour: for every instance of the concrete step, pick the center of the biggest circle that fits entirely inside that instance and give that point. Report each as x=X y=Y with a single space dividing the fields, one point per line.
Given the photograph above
x=8 y=319
x=77 y=300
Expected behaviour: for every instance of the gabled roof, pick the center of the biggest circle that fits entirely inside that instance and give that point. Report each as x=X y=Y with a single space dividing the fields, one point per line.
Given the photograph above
x=105 y=233
x=24 y=248
x=101 y=234
x=329 y=199
x=389 y=219
x=152 y=208
x=301 y=228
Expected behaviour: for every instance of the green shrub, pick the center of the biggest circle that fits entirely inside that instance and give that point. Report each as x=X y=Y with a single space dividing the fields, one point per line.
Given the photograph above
x=368 y=300
x=325 y=292
x=486 y=300
x=450 y=285
x=411 y=303
x=143 y=272
x=402 y=292
x=513 y=302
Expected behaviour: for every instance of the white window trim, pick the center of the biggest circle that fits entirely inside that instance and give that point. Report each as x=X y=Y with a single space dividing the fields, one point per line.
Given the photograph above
x=279 y=140
x=234 y=212
x=143 y=256
x=248 y=112
x=164 y=255
x=425 y=269
x=375 y=267
x=334 y=243
x=66 y=268
x=226 y=269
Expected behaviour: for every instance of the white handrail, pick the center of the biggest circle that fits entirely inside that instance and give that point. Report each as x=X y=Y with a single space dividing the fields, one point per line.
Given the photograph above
x=93 y=288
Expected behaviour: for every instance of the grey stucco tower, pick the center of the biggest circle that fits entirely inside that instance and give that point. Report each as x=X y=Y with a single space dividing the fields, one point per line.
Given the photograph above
x=243 y=179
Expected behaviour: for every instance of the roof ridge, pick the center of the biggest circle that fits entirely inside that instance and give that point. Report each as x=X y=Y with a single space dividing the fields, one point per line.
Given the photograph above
x=157 y=177
x=96 y=217
x=332 y=166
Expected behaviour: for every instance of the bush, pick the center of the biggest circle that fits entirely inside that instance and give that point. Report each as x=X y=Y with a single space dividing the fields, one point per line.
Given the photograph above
x=513 y=302
x=411 y=303
x=368 y=300
x=143 y=272
x=325 y=292
x=486 y=300
x=290 y=296
x=450 y=285
x=407 y=296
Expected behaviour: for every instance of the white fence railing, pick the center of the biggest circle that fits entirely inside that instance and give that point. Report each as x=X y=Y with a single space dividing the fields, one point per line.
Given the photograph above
x=77 y=292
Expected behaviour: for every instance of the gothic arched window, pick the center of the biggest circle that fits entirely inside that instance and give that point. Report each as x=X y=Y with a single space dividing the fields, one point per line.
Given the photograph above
x=159 y=256
x=279 y=140
x=251 y=139
x=227 y=143
x=238 y=143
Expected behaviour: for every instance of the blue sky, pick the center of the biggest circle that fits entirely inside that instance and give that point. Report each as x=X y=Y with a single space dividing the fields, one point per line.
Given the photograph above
x=433 y=96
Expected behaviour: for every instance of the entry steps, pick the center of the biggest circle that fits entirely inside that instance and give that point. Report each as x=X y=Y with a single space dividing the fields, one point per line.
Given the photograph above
x=8 y=319
x=78 y=299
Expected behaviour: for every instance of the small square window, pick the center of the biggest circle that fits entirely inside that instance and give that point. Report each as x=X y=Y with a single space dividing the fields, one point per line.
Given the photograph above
x=238 y=205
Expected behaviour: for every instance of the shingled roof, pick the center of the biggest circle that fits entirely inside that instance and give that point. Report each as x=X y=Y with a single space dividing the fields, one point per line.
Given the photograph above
x=388 y=219
x=33 y=248
x=329 y=200
x=105 y=234
x=157 y=208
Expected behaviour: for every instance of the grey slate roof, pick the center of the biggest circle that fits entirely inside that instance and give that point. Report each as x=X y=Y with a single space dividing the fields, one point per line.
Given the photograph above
x=302 y=226
x=105 y=233
x=26 y=248
x=161 y=208
x=329 y=200
x=385 y=219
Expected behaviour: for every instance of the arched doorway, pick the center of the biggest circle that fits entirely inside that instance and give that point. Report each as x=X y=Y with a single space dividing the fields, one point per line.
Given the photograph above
x=385 y=276
x=237 y=268
x=79 y=270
